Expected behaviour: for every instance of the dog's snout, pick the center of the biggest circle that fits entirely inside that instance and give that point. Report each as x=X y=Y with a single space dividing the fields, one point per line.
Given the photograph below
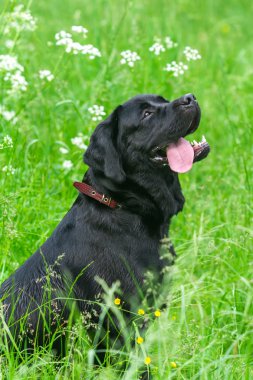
x=188 y=99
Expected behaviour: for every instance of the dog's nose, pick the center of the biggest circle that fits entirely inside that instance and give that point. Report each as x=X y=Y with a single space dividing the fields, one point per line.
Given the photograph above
x=188 y=99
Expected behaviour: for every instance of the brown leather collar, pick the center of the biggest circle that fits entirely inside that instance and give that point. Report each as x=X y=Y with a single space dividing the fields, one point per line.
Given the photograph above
x=91 y=192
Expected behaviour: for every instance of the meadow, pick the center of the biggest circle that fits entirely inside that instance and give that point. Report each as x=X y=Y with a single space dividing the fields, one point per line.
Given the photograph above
x=46 y=119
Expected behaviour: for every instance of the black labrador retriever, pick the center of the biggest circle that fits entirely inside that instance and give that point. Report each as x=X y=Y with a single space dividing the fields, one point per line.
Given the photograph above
x=114 y=228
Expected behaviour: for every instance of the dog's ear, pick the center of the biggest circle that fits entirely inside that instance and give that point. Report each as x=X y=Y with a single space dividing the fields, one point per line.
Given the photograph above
x=102 y=154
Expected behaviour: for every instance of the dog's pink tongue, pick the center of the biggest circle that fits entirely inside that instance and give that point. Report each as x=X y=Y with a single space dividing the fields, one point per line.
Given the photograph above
x=180 y=156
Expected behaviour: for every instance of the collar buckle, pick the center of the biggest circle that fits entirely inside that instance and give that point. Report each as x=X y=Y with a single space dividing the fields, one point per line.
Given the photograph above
x=91 y=192
x=106 y=200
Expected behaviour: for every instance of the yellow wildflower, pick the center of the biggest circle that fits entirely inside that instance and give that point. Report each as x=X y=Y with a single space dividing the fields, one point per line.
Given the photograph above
x=147 y=360
x=173 y=364
x=139 y=340
x=141 y=312
x=157 y=313
x=117 y=301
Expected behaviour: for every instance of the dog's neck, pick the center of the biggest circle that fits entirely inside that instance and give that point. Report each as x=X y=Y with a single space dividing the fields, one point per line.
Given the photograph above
x=155 y=201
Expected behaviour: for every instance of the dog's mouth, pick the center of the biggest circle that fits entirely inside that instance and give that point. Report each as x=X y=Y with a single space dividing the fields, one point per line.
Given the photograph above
x=180 y=155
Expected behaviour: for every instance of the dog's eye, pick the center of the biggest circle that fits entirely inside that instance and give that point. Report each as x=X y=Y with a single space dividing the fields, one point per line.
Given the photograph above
x=147 y=113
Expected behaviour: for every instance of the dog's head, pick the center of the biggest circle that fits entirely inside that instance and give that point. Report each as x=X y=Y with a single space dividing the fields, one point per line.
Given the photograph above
x=146 y=133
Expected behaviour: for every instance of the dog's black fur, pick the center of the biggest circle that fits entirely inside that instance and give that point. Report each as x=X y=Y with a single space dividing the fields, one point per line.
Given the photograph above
x=95 y=240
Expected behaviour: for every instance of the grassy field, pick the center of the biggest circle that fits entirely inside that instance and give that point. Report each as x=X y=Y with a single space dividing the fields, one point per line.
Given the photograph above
x=206 y=331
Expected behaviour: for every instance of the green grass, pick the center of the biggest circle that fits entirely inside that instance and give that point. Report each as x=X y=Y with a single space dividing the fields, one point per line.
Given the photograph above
x=208 y=325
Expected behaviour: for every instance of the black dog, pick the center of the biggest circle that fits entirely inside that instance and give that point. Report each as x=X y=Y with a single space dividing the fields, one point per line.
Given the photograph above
x=123 y=210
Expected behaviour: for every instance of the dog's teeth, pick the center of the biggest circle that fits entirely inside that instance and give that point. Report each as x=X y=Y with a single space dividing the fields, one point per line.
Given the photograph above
x=195 y=142
x=203 y=139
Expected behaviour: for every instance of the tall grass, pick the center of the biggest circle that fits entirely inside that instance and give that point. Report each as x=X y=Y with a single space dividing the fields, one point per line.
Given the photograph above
x=206 y=330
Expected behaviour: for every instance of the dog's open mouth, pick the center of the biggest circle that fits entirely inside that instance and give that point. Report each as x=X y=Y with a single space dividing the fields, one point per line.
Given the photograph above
x=181 y=155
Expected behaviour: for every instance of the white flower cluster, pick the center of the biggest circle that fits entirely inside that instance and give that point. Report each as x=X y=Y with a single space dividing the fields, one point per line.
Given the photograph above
x=65 y=39
x=191 y=54
x=8 y=115
x=19 y=20
x=80 y=30
x=17 y=81
x=97 y=112
x=7 y=142
x=9 y=44
x=9 y=63
x=12 y=72
x=79 y=141
x=170 y=43
x=63 y=150
x=9 y=169
x=76 y=48
x=46 y=74
x=176 y=68
x=129 y=58
x=159 y=47
x=67 y=164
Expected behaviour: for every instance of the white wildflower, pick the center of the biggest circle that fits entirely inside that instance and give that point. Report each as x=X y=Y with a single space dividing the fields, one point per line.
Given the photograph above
x=67 y=164
x=170 y=43
x=79 y=141
x=91 y=50
x=97 y=112
x=46 y=74
x=8 y=115
x=19 y=20
x=63 y=150
x=12 y=72
x=9 y=169
x=9 y=63
x=65 y=39
x=17 y=81
x=76 y=48
x=80 y=30
x=129 y=57
x=9 y=44
x=157 y=48
x=7 y=142
x=191 y=54
x=176 y=68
